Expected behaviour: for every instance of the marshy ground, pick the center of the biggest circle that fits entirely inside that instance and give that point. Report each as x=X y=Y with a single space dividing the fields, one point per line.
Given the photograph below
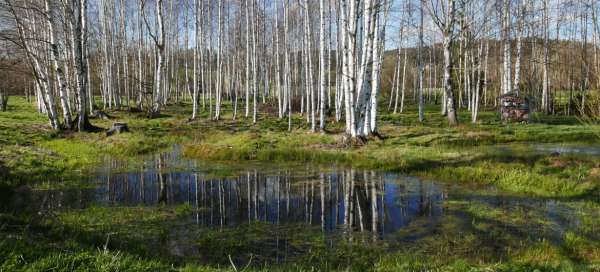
x=489 y=196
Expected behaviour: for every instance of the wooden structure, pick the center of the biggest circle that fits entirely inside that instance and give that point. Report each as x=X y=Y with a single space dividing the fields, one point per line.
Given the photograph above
x=514 y=107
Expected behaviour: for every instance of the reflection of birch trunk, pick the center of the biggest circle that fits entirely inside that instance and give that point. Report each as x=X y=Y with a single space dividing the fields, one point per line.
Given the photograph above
x=312 y=202
x=360 y=215
x=255 y=195
x=337 y=201
x=322 y=187
x=329 y=197
x=220 y=196
x=277 y=222
x=127 y=188
x=249 y=189
x=162 y=196
x=265 y=200
x=374 y=211
x=142 y=197
x=209 y=195
x=108 y=188
x=203 y=196
x=287 y=198
x=226 y=199
x=351 y=197
x=422 y=200
x=346 y=189
x=188 y=199
x=304 y=199
x=278 y=196
x=382 y=188
x=197 y=204
x=366 y=187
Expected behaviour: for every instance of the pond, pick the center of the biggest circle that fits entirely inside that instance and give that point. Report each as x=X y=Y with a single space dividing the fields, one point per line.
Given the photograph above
x=276 y=213
x=553 y=149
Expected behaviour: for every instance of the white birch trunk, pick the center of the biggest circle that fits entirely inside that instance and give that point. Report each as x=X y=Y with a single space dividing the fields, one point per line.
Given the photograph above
x=364 y=83
x=349 y=15
x=81 y=61
x=195 y=63
x=517 y=78
x=420 y=64
x=248 y=31
x=323 y=83
x=378 y=54
x=507 y=85
x=545 y=84
x=219 y=63
x=59 y=73
x=160 y=47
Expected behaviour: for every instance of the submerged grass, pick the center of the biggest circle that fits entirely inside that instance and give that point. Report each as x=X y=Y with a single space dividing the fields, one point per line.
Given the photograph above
x=474 y=236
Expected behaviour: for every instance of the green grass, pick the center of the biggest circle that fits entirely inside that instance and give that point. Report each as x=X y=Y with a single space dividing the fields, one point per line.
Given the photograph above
x=467 y=153
x=475 y=237
x=30 y=151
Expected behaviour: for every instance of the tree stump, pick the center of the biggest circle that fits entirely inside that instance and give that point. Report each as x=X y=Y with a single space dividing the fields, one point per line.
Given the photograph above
x=100 y=115
x=87 y=125
x=3 y=101
x=117 y=128
x=135 y=110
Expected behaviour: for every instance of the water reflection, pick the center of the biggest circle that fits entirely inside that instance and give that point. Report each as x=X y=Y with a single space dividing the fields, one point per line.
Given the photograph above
x=332 y=199
x=551 y=149
x=335 y=200
x=341 y=198
x=566 y=149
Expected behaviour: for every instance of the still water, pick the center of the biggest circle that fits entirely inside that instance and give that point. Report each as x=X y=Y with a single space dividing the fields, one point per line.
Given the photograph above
x=329 y=197
x=387 y=207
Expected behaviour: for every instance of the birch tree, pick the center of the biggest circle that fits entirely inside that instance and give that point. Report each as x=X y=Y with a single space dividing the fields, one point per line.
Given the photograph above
x=79 y=10
x=25 y=23
x=55 y=58
x=159 y=44
x=420 y=64
x=322 y=80
x=546 y=83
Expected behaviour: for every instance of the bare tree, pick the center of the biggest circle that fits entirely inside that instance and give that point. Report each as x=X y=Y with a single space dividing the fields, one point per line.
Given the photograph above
x=159 y=44
x=322 y=80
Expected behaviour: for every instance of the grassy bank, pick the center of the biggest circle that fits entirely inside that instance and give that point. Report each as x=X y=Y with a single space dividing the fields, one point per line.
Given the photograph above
x=473 y=237
x=30 y=151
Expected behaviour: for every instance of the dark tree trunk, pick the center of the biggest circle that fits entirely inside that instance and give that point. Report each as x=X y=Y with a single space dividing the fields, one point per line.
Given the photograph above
x=3 y=100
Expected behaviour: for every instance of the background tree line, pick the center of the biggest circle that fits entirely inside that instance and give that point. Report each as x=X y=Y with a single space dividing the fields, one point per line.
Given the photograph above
x=341 y=61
